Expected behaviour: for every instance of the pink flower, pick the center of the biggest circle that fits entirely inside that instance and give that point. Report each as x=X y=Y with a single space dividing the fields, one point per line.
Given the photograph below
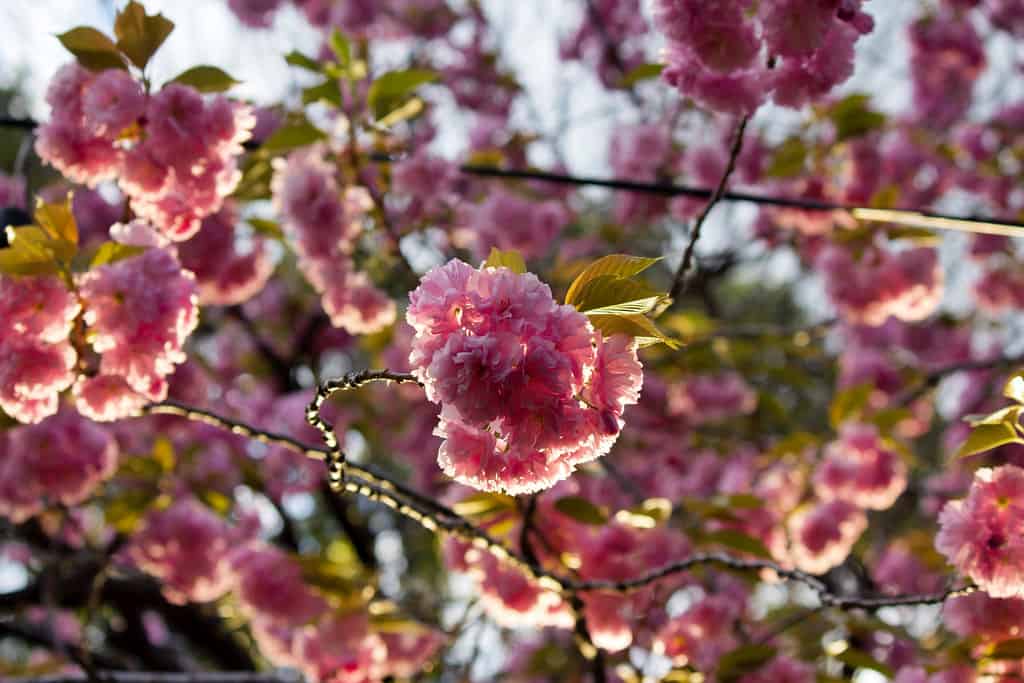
x=186 y=546
x=225 y=274
x=510 y=222
x=255 y=13
x=860 y=469
x=982 y=535
x=702 y=634
x=61 y=459
x=111 y=102
x=507 y=365
x=342 y=649
x=32 y=374
x=899 y=570
x=106 y=398
x=410 y=652
x=140 y=311
x=269 y=586
x=978 y=615
x=822 y=536
x=711 y=398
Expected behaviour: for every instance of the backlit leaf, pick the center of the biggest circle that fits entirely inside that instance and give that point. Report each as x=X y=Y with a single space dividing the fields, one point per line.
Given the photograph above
x=581 y=510
x=512 y=260
x=206 y=78
x=985 y=437
x=621 y=265
x=93 y=49
x=140 y=35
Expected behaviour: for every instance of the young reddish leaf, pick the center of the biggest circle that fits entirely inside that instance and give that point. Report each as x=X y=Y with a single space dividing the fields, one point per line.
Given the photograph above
x=93 y=49
x=140 y=35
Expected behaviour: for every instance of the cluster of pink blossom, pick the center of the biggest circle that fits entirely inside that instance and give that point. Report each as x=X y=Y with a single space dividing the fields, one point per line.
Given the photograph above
x=322 y=223
x=703 y=633
x=427 y=185
x=62 y=459
x=981 y=535
x=906 y=284
x=173 y=153
x=711 y=398
x=861 y=469
x=947 y=56
x=225 y=276
x=364 y=18
x=528 y=390
x=139 y=311
x=732 y=60
x=36 y=359
x=822 y=534
x=900 y=571
x=199 y=557
x=512 y=222
x=187 y=547
x=606 y=39
x=639 y=153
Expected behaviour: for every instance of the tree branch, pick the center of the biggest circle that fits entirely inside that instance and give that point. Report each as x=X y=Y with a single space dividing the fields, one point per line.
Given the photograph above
x=679 y=282
x=439 y=518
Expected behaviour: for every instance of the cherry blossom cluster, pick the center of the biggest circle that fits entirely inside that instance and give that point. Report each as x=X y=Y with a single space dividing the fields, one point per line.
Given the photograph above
x=139 y=311
x=174 y=153
x=906 y=284
x=225 y=275
x=60 y=460
x=200 y=557
x=981 y=535
x=528 y=390
x=732 y=60
x=322 y=222
x=511 y=222
x=37 y=361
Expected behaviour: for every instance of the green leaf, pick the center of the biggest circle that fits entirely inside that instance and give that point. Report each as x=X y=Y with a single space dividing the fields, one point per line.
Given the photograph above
x=140 y=35
x=266 y=227
x=390 y=90
x=1009 y=415
x=484 y=504
x=58 y=222
x=111 y=252
x=1008 y=649
x=410 y=110
x=614 y=295
x=985 y=437
x=858 y=659
x=849 y=403
x=30 y=252
x=581 y=510
x=853 y=118
x=621 y=265
x=1014 y=389
x=206 y=78
x=93 y=49
x=640 y=328
x=737 y=540
x=642 y=73
x=512 y=260
x=743 y=660
x=291 y=135
x=921 y=236
x=341 y=48
x=788 y=159
x=328 y=91
x=296 y=58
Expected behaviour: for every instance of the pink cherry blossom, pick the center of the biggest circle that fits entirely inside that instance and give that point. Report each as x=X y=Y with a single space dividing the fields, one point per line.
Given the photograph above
x=981 y=534
x=187 y=547
x=861 y=469
x=822 y=535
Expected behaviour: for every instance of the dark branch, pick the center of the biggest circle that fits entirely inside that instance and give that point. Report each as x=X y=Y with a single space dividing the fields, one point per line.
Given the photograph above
x=679 y=282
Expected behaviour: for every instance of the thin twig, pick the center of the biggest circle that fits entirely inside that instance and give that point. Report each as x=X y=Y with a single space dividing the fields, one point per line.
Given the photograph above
x=679 y=282
x=439 y=518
